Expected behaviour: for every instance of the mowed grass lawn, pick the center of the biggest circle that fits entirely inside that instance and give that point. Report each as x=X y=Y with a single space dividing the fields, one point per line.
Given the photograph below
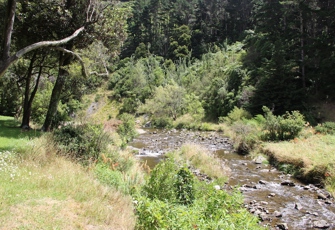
x=11 y=135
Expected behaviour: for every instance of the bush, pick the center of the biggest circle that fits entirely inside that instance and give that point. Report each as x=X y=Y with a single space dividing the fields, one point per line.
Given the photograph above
x=326 y=128
x=173 y=199
x=247 y=136
x=109 y=177
x=162 y=122
x=81 y=142
x=237 y=114
x=184 y=186
x=185 y=122
x=126 y=130
x=161 y=183
x=284 y=127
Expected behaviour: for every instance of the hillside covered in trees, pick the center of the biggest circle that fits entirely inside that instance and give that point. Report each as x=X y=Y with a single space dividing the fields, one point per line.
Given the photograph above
x=80 y=78
x=203 y=56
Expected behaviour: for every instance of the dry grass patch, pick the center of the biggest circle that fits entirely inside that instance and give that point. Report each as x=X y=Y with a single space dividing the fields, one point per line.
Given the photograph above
x=204 y=160
x=315 y=154
x=51 y=192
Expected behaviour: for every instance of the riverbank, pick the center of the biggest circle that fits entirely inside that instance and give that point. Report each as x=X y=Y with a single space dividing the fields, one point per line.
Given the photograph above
x=309 y=157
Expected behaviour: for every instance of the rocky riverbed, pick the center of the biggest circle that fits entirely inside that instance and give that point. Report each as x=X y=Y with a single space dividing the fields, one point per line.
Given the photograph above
x=280 y=201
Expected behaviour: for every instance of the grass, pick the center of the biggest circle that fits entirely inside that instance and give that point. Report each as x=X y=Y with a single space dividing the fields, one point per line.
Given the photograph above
x=11 y=136
x=41 y=190
x=310 y=156
x=314 y=155
x=202 y=159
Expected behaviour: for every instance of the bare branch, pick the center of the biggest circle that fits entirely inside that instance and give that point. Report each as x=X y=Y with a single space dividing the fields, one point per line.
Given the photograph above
x=99 y=74
x=77 y=56
x=37 y=45
x=7 y=62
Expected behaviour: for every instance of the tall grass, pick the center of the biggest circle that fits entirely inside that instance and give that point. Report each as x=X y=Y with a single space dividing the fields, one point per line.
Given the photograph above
x=50 y=192
x=200 y=158
x=314 y=154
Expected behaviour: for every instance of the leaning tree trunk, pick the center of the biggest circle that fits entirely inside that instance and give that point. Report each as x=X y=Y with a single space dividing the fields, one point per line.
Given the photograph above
x=56 y=92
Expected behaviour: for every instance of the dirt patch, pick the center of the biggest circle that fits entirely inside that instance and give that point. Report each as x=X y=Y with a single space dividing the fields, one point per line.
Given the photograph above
x=111 y=125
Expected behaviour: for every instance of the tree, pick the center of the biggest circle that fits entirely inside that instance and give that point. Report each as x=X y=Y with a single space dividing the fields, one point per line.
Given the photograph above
x=167 y=102
x=6 y=58
x=107 y=36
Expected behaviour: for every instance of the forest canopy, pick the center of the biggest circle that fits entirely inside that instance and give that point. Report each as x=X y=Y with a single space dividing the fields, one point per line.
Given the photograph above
x=215 y=54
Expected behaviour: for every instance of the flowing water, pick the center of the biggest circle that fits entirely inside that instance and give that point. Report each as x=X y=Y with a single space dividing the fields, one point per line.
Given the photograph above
x=280 y=201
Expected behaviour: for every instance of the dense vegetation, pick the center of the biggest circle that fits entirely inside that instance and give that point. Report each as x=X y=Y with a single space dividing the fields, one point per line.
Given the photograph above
x=209 y=55
x=259 y=70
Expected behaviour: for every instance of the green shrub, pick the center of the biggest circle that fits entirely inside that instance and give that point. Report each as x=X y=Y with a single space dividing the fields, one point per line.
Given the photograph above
x=212 y=209
x=284 y=127
x=162 y=122
x=184 y=186
x=81 y=142
x=185 y=122
x=126 y=130
x=237 y=114
x=206 y=127
x=173 y=199
x=326 y=128
x=247 y=136
x=108 y=176
x=259 y=119
x=161 y=182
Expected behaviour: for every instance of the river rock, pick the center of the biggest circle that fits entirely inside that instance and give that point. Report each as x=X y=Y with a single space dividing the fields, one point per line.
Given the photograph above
x=287 y=183
x=322 y=196
x=217 y=187
x=297 y=206
x=264 y=203
x=328 y=202
x=321 y=224
x=257 y=212
x=272 y=194
x=312 y=213
x=282 y=226
x=250 y=186
x=277 y=214
x=259 y=159
x=264 y=217
x=307 y=187
x=262 y=182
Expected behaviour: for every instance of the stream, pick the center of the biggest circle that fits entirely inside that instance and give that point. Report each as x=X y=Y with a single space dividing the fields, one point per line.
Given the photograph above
x=279 y=200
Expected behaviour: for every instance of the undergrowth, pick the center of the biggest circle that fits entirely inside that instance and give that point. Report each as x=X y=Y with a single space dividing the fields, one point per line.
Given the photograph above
x=187 y=203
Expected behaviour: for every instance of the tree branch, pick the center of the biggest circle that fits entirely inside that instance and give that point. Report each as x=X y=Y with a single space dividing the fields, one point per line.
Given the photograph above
x=77 y=56
x=4 y=64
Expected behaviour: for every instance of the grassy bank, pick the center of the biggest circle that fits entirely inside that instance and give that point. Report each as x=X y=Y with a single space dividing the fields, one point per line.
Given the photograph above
x=41 y=189
x=291 y=144
x=313 y=157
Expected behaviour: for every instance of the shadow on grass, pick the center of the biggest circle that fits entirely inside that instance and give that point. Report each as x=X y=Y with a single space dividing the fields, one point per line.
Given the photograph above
x=12 y=136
